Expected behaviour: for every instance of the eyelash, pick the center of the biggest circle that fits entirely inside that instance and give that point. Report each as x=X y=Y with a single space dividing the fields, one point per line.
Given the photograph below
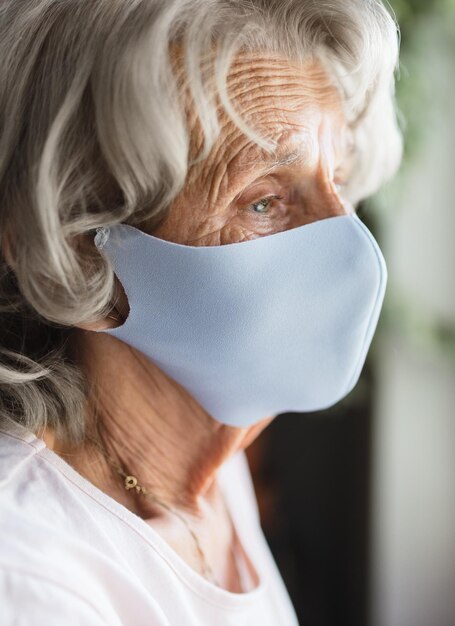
x=267 y=200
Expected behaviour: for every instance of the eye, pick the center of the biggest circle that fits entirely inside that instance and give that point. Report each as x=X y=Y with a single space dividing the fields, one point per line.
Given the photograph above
x=262 y=206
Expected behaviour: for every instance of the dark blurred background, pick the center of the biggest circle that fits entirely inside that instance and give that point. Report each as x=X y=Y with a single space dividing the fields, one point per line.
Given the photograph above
x=358 y=502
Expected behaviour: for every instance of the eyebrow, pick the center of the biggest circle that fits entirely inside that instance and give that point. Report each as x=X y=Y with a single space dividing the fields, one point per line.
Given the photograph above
x=279 y=158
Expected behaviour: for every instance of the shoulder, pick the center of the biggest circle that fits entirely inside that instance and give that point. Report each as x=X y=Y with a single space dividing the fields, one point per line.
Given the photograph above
x=34 y=578
x=57 y=560
x=34 y=599
x=28 y=488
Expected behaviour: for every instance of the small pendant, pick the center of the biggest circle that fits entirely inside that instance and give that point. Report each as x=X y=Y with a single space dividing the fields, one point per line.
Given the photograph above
x=130 y=482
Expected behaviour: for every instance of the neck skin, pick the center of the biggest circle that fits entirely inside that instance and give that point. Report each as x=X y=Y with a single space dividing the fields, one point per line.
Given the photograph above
x=152 y=427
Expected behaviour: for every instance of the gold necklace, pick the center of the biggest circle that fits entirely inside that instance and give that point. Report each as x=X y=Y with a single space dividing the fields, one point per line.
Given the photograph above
x=130 y=482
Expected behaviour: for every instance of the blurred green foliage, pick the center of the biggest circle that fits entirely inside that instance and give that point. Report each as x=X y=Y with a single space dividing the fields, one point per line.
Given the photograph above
x=408 y=318
x=407 y=11
x=412 y=96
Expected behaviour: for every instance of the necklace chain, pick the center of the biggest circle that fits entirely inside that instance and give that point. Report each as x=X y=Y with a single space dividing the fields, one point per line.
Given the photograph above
x=131 y=483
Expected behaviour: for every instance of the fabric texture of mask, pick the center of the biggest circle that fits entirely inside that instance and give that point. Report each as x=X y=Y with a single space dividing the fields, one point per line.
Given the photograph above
x=278 y=324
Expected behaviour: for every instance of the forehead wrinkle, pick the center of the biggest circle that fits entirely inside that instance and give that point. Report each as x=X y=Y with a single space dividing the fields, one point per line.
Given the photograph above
x=269 y=162
x=293 y=96
x=215 y=172
x=283 y=100
x=307 y=83
x=275 y=72
x=234 y=155
x=287 y=152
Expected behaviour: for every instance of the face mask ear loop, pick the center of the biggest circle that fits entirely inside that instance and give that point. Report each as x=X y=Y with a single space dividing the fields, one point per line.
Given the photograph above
x=101 y=237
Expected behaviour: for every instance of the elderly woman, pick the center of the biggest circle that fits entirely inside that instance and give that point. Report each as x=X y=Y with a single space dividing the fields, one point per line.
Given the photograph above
x=180 y=262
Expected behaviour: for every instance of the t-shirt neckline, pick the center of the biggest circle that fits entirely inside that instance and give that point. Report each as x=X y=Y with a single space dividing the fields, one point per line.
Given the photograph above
x=192 y=579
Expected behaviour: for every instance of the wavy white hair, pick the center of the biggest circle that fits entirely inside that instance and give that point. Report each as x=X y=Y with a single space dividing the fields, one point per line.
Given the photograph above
x=93 y=132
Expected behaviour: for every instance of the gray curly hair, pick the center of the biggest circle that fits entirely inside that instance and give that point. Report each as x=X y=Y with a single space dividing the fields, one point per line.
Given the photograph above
x=93 y=132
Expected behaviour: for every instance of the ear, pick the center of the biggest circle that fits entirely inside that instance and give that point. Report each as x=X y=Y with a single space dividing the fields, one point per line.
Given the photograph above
x=115 y=318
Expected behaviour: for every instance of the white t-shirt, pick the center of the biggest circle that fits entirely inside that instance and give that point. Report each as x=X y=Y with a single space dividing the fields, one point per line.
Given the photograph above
x=72 y=555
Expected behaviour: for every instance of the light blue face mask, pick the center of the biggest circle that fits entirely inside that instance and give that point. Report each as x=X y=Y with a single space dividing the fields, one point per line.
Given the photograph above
x=252 y=329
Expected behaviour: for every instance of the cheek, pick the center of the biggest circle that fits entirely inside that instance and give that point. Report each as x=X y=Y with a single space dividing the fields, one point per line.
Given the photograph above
x=260 y=226
x=192 y=221
x=245 y=226
x=235 y=232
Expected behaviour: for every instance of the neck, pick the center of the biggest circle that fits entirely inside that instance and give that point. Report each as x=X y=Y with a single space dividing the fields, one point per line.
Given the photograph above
x=151 y=426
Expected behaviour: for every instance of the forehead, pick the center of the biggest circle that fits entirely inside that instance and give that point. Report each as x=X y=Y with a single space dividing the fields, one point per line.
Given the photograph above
x=288 y=85
x=282 y=100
